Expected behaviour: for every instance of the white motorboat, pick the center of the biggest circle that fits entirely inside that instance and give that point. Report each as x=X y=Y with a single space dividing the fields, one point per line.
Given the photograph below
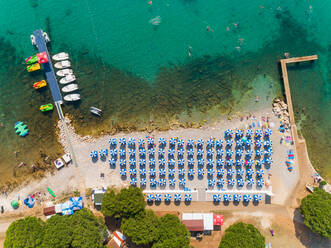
x=60 y=56
x=96 y=111
x=72 y=97
x=33 y=39
x=64 y=72
x=68 y=79
x=62 y=64
x=46 y=37
x=70 y=88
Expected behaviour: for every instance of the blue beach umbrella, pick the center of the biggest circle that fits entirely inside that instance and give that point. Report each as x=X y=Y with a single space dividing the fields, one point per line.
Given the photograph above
x=191 y=172
x=152 y=172
x=247 y=198
x=229 y=153
x=162 y=141
x=239 y=153
x=142 y=172
x=249 y=154
x=94 y=154
x=201 y=161
x=171 y=172
x=230 y=172
x=123 y=172
x=219 y=153
x=162 y=161
x=230 y=163
x=239 y=162
x=122 y=162
x=112 y=152
x=210 y=143
x=229 y=143
x=181 y=172
x=103 y=152
x=150 y=197
x=220 y=172
x=250 y=182
x=260 y=182
x=190 y=143
x=162 y=172
x=190 y=162
x=152 y=182
x=257 y=197
x=220 y=182
x=258 y=134
x=211 y=182
x=141 y=142
x=180 y=143
x=132 y=162
x=133 y=172
x=268 y=144
x=250 y=163
x=228 y=133
x=268 y=161
x=182 y=181
x=172 y=162
x=201 y=172
x=150 y=141
x=172 y=142
x=142 y=152
x=216 y=198
x=200 y=143
x=210 y=172
x=258 y=143
x=227 y=197
x=219 y=143
x=133 y=181
x=163 y=182
x=132 y=142
x=259 y=152
x=151 y=152
x=122 y=141
x=259 y=163
x=239 y=134
x=171 y=152
x=112 y=161
x=177 y=197
x=240 y=182
x=143 y=181
x=210 y=162
x=268 y=152
x=132 y=153
x=249 y=133
x=188 y=197
x=181 y=162
x=239 y=143
x=267 y=132
x=172 y=182
x=236 y=198
x=250 y=172
x=240 y=172
x=158 y=197
x=152 y=161
x=180 y=152
x=249 y=143
x=219 y=163
x=112 y=142
x=210 y=152
x=190 y=152
x=200 y=152
x=260 y=173
x=167 y=197
x=122 y=152
x=161 y=152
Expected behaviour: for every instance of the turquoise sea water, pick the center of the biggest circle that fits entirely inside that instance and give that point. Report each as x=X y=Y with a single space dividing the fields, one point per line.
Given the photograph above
x=198 y=63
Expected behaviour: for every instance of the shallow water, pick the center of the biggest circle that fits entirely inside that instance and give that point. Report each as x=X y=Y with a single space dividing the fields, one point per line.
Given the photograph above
x=142 y=76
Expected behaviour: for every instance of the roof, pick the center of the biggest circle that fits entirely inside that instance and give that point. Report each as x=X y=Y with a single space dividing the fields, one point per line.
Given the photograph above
x=49 y=211
x=218 y=219
x=98 y=197
x=208 y=221
x=193 y=225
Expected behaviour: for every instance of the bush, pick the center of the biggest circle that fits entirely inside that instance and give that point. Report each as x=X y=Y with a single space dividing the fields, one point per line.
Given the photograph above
x=242 y=235
x=316 y=209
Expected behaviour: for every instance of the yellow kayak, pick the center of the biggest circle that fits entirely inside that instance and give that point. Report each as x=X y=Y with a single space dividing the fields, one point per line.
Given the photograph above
x=33 y=67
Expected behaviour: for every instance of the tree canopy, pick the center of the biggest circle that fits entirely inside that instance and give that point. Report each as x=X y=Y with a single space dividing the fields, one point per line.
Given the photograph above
x=127 y=203
x=142 y=229
x=242 y=235
x=26 y=233
x=80 y=230
x=316 y=209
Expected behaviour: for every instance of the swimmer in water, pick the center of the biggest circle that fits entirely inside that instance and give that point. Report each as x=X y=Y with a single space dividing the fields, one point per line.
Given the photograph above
x=238 y=48
x=227 y=29
x=209 y=29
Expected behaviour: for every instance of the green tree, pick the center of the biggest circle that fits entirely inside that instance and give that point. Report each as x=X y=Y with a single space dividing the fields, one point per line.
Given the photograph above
x=25 y=233
x=143 y=228
x=87 y=230
x=58 y=232
x=127 y=203
x=172 y=233
x=316 y=209
x=242 y=235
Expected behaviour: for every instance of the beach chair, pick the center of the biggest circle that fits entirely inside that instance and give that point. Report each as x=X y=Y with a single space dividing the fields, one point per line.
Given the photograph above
x=290 y=154
x=289 y=165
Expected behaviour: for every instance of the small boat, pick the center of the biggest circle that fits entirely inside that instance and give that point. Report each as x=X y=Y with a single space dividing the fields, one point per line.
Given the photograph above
x=46 y=37
x=70 y=88
x=31 y=60
x=33 y=39
x=72 y=97
x=20 y=165
x=21 y=129
x=64 y=72
x=40 y=84
x=96 y=111
x=46 y=107
x=51 y=192
x=60 y=56
x=68 y=79
x=62 y=64
x=33 y=67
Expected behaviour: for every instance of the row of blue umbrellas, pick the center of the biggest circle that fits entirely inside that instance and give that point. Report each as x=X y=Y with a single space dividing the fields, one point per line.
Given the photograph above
x=237 y=197
x=167 y=197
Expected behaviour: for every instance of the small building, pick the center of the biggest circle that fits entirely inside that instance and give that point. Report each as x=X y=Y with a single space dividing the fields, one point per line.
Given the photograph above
x=198 y=223
x=117 y=241
x=66 y=158
x=97 y=196
x=49 y=211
